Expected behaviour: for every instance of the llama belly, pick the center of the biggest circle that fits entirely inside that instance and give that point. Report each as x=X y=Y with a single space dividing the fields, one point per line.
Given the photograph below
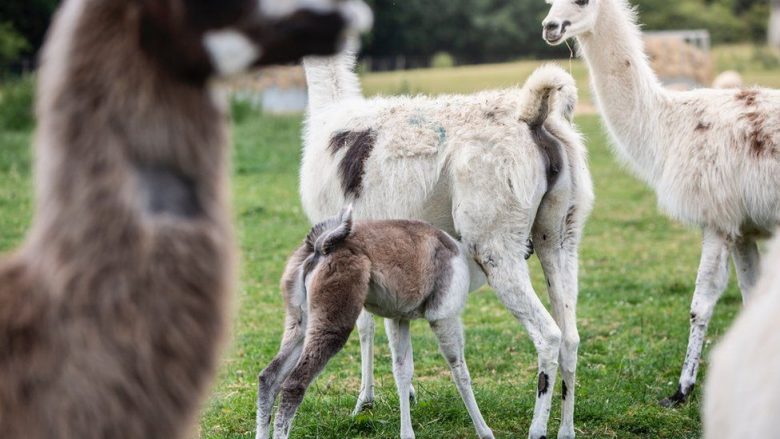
x=391 y=305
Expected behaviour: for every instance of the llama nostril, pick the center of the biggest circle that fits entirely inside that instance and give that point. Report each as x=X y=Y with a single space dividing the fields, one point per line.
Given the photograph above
x=565 y=24
x=551 y=26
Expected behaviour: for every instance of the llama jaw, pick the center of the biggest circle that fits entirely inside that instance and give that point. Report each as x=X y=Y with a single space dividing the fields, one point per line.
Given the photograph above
x=553 y=40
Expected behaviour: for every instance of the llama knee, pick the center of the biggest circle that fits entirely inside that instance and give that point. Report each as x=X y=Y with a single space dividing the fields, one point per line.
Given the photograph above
x=548 y=345
x=569 y=347
x=292 y=395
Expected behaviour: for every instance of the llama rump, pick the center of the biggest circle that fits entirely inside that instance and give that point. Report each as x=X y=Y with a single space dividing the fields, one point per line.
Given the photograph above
x=398 y=269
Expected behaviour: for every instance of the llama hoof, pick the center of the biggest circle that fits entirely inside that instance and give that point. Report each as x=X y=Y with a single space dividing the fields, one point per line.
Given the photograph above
x=487 y=435
x=537 y=435
x=677 y=399
x=566 y=434
x=363 y=403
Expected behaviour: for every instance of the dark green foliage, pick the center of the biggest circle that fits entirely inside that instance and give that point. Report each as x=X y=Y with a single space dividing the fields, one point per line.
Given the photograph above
x=16 y=104
x=12 y=43
x=30 y=18
x=476 y=31
x=726 y=20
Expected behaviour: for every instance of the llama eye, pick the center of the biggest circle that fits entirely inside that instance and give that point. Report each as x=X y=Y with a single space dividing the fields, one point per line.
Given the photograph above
x=581 y=2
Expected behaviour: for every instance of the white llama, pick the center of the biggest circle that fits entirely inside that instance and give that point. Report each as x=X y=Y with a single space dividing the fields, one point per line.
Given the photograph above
x=713 y=156
x=742 y=390
x=495 y=169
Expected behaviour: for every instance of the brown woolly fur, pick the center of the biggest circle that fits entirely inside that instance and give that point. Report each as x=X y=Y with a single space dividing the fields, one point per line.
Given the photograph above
x=399 y=269
x=113 y=310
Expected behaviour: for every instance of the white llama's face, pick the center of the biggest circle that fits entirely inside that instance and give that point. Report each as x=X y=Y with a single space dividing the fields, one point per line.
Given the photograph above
x=568 y=18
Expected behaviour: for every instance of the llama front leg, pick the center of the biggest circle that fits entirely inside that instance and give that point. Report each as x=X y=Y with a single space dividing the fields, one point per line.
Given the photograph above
x=402 y=371
x=392 y=337
x=450 y=335
x=365 y=327
x=711 y=281
x=271 y=378
x=747 y=264
x=507 y=273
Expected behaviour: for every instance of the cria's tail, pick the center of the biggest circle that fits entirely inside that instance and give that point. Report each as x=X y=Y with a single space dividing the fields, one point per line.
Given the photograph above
x=327 y=235
x=548 y=89
x=331 y=79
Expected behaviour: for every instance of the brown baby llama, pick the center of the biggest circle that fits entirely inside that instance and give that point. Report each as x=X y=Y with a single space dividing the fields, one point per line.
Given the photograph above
x=113 y=310
x=397 y=269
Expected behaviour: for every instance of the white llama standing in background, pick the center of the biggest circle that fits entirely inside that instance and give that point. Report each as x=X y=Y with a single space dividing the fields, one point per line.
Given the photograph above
x=713 y=156
x=742 y=390
x=495 y=169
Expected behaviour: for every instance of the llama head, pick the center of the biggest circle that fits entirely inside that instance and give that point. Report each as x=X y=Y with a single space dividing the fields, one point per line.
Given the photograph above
x=569 y=18
x=224 y=37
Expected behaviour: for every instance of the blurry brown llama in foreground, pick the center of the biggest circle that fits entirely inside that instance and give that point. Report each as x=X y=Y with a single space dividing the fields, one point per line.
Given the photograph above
x=113 y=310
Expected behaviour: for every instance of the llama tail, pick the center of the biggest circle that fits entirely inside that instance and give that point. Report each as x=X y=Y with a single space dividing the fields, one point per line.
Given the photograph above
x=331 y=79
x=327 y=235
x=548 y=89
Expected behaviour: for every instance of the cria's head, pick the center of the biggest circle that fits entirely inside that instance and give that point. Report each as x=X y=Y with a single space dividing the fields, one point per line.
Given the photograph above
x=568 y=19
x=223 y=37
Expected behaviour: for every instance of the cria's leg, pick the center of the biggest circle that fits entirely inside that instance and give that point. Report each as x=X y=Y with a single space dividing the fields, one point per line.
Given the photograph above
x=272 y=377
x=401 y=344
x=711 y=281
x=747 y=264
x=321 y=345
x=557 y=241
x=392 y=337
x=450 y=335
x=365 y=327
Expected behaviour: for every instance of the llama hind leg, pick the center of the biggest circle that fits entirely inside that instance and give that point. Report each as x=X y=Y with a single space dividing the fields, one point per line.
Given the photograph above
x=320 y=346
x=508 y=274
x=365 y=327
x=271 y=378
x=559 y=260
x=450 y=335
x=747 y=264
x=711 y=281
x=392 y=336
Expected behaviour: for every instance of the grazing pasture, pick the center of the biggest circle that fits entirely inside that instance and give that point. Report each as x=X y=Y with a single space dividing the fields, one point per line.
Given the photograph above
x=636 y=278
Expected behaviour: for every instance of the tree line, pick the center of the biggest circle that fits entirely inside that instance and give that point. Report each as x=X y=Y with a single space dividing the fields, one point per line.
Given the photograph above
x=471 y=31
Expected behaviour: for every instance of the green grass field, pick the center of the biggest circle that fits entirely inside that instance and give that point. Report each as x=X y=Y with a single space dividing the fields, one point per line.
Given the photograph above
x=637 y=275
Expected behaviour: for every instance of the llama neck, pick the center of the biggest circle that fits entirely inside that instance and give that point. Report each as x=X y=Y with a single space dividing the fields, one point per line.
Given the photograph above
x=627 y=91
x=121 y=147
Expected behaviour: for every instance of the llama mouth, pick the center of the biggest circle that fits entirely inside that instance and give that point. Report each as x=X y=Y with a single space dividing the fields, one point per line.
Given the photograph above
x=555 y=40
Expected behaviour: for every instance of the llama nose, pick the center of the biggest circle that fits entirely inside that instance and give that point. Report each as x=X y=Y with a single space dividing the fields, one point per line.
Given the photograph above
x=551 y=26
